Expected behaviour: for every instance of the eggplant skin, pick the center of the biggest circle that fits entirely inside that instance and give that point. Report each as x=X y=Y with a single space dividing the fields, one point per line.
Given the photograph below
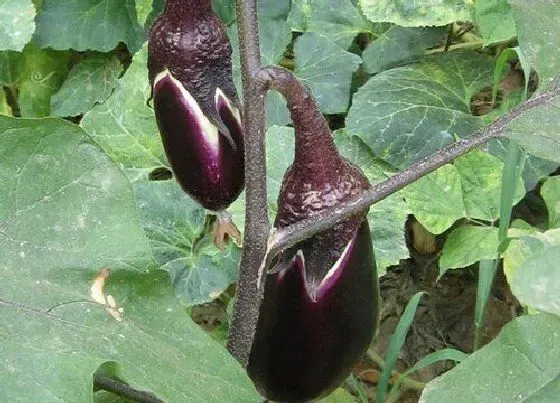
x=208 y=165
x=310 y=336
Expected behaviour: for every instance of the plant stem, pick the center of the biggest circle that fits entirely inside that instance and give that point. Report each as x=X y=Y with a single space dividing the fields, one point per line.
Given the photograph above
x=245 y=314
x=289 y=236
x=122 y=389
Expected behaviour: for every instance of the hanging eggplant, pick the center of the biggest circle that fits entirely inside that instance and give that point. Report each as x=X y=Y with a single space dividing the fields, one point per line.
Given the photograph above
x=196 y=104
x=320 y=306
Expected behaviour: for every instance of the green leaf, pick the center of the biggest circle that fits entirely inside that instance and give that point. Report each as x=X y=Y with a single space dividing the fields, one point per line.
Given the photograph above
x=395 y=345
x=538 y=30
x=520 y=365
x=468 y=244
x=481 y=179
x=56 y=233
x=17 y=23
x=415 y=13
x=339 y=20
x=91 y=24
x=436 y=199
x=536 y=281
x=528 y=242
x=327 y=69
x=400 y=45
x=537 y=131
x=408 y=113
x=550 y=192
x=143 y=10
x=90 y=82
x=124 y=126
x=494 y=19
x=36 y=75
x=80 y=214
x=174 y=224
x=386 y=218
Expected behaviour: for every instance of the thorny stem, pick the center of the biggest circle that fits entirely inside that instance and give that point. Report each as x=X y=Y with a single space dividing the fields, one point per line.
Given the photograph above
x=245 y=314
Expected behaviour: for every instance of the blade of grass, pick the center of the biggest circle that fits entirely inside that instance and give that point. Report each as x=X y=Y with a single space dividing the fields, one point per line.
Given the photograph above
x=359 y=388
x=441 y=355
x=514 y=164
x=395 y=345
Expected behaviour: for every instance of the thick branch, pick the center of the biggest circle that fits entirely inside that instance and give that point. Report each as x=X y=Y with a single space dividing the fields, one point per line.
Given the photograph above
x=289 y=236
x=245 y=315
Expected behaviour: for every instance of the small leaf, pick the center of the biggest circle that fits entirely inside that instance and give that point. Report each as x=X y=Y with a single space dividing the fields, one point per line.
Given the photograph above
x=90 y=82
x=520 y=365
x=400 y=45
x=436 y=199
x=414 y=13
x=494 y=19
x=338 y=20
x=89 y=25
x=327 y=69
x=17 y=23
x=468 y=244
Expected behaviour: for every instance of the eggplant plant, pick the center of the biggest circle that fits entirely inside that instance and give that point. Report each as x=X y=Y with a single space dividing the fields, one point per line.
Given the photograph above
x=320 y=305
x=196 y=106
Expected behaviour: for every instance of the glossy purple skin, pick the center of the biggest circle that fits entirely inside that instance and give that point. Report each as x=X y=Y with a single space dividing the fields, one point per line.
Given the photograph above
x=306 y=345
x=314 y=325
x=212 y=177
x=190 y=42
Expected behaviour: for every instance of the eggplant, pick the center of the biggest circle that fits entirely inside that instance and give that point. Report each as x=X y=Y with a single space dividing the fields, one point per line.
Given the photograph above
x=195 y=102
x=320 y=303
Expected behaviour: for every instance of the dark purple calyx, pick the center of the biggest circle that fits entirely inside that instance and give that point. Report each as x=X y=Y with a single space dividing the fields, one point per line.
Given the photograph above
x=195 y=102
x=319 y=310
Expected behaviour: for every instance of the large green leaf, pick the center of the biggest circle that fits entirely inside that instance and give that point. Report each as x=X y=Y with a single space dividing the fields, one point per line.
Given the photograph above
x=35 y=75
x=521 y=365
x=340 y=20
x=17 y=23
x=400 y=45
x=494 y=19
x=174 y=224
x=125 y=126
x=467 y=245
x=537 y=131
x=415 y=13
x=538 y=30
x=90 y=82
x=550 y=192
x=66 y=211
x=327 y=69
x=89 y=24
x=407 y=113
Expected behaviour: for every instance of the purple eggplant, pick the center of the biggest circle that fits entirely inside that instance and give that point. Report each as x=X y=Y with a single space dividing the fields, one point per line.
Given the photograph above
x=195 y=102
x=319 y=310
